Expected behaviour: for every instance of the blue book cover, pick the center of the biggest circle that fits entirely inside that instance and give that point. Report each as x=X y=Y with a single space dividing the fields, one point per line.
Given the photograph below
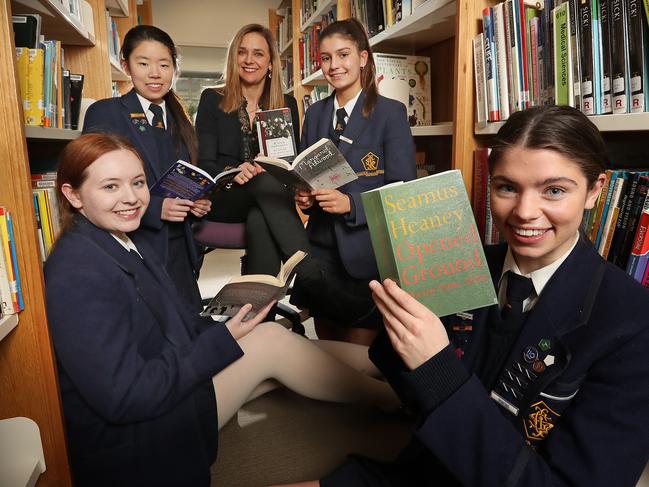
x=611 y=186
x=14 y=261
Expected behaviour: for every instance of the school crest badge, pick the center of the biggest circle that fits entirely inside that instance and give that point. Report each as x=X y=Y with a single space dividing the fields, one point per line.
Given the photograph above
x=370 y=162
x=540 y=421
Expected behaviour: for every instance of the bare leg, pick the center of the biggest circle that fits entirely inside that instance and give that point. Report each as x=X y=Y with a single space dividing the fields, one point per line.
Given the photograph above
x=272 y=352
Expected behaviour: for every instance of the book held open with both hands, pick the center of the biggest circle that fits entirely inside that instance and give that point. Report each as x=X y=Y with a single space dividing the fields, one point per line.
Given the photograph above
x=186 y=181
x=255 y=289
x=319 y=166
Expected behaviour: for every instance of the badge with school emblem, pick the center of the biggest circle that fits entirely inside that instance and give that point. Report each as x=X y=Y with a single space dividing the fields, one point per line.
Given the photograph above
x=540 y=421
x=370 y=163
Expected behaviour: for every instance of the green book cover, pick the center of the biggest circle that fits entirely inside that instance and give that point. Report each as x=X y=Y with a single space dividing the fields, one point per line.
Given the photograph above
x=425 y=238
x=562 y=55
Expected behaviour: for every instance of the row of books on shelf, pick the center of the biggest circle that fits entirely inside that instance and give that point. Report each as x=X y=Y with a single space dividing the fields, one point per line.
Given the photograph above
x=287 y=71
x=617 y=224
x=590 y=54
x=319 y=92
x=11 y=297
x=114 y=44
x=378 y=15
x=309 y=49
x=284 y=33
x=50 y=94
x=48 y=214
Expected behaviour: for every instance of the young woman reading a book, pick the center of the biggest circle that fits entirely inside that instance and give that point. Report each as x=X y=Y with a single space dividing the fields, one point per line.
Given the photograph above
x=373 y=134
x=152 y=118
x=549 y=387
x=146 y=383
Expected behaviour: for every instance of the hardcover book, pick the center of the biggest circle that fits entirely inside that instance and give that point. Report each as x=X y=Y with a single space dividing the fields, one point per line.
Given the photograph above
x=319 y=166
x=186 y=181
x=275 y=134
x=425 y=238
x=255 y=289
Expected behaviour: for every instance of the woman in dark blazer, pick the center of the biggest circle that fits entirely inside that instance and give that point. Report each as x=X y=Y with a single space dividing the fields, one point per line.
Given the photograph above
x=374 y=136
x=145 y=382
x=149 y=56
x=227 y=137
x=551 y=386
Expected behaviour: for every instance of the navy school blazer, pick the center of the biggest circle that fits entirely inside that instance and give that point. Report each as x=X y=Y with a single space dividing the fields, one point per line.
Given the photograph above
x=381 y=149
x=134 y=364
x=125 y=116
x=584 y=420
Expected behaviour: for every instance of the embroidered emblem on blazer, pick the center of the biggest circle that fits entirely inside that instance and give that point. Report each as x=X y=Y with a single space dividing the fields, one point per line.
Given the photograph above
x=540 y=421
x=370 y=161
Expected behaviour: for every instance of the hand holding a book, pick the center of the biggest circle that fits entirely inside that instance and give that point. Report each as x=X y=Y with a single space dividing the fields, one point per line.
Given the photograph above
x=416 y=333
x=239 y=328
x=201 y=208
x=176 y=209
x=248 y=171
x=332 y=201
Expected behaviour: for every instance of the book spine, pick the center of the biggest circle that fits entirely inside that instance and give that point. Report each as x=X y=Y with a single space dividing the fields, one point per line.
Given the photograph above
x=522 y=52
x=6 y=251
x=597 y=56
x=622 y=222
x=548 y=52
x=637 y=32
x=480 y=80
x=619 y=57
x=14 y=260
x=534 y=60
x=607 y=207
x=599 y=207
x=575 y=45
x=587 y=52
x=640 y=245
x=634 y=218
x=35 y=109
x=500 y=42
x=491 y=71
x=39 y=226
x=562 y=56
x=612 y=216
x=605 y=20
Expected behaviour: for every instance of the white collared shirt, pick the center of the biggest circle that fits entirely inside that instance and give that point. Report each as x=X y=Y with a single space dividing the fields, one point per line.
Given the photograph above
x=540 y=277
x=349 y=107
x=149 y=115
x=127 y=244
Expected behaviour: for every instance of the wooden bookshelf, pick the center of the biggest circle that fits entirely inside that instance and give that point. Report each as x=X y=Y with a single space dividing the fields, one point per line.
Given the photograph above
x=57 y=23
x=627 y=122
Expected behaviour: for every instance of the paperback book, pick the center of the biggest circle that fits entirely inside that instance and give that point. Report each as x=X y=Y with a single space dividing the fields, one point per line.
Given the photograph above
x=425 y=238
x=255 y=289
x=186 y=181
x=275 y=134
x=319 y=166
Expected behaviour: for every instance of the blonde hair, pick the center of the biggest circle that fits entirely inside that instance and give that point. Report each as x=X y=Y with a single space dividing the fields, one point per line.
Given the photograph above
x=273 y=96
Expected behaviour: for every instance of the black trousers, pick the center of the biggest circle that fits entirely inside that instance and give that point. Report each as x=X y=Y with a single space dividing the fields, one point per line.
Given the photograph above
x=274 y=230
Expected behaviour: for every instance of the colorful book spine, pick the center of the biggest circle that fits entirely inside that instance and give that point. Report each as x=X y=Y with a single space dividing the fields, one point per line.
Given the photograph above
x=605 y=22
x=563 y=79
x=491 y=69
x=619 y=57
x=606 y=208
x=35 y=107
x=502 y=62
x=638 y=70
x=640 y=248
x=14 y=260
x=482 y=108
x=6 y=251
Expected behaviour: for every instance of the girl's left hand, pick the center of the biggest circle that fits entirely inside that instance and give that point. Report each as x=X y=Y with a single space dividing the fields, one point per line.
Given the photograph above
x=333 y=201
x=416 y=333
x=201 y=208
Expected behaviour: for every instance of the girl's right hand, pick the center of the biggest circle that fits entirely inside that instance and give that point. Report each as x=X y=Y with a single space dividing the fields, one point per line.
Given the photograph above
x=304 y=199
x=248 y=171
x=175 y=209
x=239 y=328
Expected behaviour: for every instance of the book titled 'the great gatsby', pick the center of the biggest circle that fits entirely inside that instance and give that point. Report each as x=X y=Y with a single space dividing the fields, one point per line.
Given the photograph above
x=425 y=238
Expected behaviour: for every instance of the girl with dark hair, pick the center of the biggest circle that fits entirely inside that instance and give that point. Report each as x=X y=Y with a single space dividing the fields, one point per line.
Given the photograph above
x=153 y=119
x=550 y=386
x=146 y=383
x=373 y=134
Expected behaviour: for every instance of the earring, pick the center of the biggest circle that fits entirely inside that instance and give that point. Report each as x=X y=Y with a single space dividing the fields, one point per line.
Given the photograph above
x=270 y=74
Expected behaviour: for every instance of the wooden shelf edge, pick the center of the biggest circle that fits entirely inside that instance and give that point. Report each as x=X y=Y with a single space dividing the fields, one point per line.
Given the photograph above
x=437 y=129
x=8 y=323
x=49 y=133
x=289 y=90
x=316 y=78
x=287 y=48
x=116 y=71
x=317 y=14
x=117 y=8
x=623 y=122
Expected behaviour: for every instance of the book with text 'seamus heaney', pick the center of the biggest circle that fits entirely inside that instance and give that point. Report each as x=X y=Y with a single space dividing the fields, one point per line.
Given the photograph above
x=255 y=289
x=319 y=166
x=186 y=181
x=275 y=134
x=425 y=238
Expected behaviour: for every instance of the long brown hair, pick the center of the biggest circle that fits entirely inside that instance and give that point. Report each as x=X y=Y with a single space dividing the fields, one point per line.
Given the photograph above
x=74 y=161
x=562 y=129
x=142 y=33
x=354 y=31
x=273 y=95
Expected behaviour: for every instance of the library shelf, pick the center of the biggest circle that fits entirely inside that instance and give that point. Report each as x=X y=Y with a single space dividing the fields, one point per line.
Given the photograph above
x=117 y=8
x=431 y=22
x=49 y=133
x=316 y=78
x=437 y=129
x=622 y=122
x=7 y=323
x=57 y=22
x=116 y=71
x=287 y=49
x=322 y=9
x=21 y=452
x=289 y=90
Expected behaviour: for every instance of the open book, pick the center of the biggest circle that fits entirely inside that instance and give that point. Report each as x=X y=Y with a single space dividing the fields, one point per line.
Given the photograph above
x=319 y=166
x=186 y=181
x=256 y=289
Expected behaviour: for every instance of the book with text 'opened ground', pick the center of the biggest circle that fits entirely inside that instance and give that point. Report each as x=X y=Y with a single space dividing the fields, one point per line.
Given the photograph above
x=425 y=238
x=320 y=166
x=275 y=134
x=255 y=289
x=186 y=181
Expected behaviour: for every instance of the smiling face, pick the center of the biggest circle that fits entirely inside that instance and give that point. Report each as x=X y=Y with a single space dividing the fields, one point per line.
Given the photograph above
x=341 y=63
x=538 y=197
x=114 y=195
x=151 y=69
x=253 y=59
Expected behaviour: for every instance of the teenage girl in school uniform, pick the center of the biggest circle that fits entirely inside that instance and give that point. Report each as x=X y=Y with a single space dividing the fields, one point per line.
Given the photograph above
x=373 y=134
x=146 y=383
x=152 y=118
x=551 y=386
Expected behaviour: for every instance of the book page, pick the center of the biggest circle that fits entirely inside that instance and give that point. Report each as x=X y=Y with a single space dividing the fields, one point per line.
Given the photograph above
x=323 y=166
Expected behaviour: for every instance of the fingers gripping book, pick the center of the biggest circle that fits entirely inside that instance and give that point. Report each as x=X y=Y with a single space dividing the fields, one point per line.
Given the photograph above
x=186 y=181
x=255 y=289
